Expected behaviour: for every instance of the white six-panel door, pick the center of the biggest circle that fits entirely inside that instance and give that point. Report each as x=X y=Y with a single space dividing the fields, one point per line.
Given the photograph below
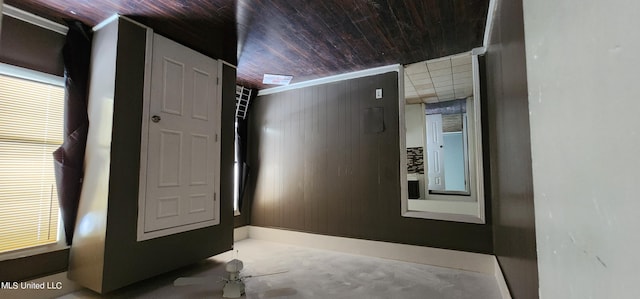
x=182 y=150
x=435 y=151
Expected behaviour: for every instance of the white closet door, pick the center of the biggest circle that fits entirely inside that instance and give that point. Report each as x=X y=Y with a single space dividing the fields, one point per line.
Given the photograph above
x=182 y=140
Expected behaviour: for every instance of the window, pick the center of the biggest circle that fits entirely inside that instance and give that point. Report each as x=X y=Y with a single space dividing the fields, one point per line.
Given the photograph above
x=236 y=171
x=31 y=128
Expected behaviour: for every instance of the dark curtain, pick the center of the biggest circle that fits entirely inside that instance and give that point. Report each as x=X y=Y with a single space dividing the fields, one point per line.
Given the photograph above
x=241 y=134
x=69 y=158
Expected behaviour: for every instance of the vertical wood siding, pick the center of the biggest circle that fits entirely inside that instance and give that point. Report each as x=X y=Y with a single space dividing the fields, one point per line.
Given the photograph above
x=510 y=152
x=314 y=168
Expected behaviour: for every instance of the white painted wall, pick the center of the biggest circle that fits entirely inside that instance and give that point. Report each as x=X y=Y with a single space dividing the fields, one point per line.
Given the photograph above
x=582 y=67
x=414 y=119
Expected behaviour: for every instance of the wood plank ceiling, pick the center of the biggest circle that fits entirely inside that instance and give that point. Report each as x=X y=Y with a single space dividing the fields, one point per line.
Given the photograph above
x=306 y=39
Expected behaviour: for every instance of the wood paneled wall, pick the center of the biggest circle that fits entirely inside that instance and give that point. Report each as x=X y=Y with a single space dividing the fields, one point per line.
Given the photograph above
x=29 y=46
x=318 y=166
x=510 y=152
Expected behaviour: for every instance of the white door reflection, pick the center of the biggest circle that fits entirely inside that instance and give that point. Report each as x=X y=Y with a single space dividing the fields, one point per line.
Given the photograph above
x=447 y=148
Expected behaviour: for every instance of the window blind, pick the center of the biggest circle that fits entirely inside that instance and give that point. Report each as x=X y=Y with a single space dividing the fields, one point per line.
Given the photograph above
x=31 y=128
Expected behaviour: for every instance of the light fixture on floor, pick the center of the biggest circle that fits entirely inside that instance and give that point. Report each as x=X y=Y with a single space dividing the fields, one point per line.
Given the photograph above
x=234 y=284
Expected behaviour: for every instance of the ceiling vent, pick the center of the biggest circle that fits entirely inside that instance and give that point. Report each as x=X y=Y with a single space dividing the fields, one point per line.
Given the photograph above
x=276 y=79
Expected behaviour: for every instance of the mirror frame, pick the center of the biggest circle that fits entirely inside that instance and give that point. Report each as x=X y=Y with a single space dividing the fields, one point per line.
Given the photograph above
x=479 y=218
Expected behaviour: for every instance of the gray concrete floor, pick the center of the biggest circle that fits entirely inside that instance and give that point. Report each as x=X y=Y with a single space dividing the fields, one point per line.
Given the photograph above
x=310 y=273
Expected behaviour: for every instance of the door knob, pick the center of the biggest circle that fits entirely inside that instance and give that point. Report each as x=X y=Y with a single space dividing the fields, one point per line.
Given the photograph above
x=155 y=118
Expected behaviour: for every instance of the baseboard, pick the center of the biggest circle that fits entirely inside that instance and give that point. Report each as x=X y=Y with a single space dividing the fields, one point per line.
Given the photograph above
x=502 y=283
x=51 y=286
x=240 y=233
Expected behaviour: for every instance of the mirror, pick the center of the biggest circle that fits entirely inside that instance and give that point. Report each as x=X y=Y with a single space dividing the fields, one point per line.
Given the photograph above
x=441 y=140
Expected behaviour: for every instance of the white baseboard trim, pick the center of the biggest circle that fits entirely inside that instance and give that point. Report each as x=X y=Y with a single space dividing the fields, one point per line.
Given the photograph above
x=240 y=233
x=502 y=283
x=52 y=286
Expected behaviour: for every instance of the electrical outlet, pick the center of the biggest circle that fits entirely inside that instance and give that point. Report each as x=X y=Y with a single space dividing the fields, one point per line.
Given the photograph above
x=378 y=93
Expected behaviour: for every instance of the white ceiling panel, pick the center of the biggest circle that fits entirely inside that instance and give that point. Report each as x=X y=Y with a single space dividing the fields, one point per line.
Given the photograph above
x=441 y=79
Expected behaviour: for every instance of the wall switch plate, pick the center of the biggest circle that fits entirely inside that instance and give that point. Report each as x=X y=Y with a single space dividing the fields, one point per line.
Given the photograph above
x=378 y=93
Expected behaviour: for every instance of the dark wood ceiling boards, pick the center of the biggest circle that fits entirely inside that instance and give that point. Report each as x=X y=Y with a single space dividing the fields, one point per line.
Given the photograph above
x=207 y=26
x=306 y=39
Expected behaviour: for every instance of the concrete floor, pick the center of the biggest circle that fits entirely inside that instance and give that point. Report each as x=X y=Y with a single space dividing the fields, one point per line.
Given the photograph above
x=310 y=273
